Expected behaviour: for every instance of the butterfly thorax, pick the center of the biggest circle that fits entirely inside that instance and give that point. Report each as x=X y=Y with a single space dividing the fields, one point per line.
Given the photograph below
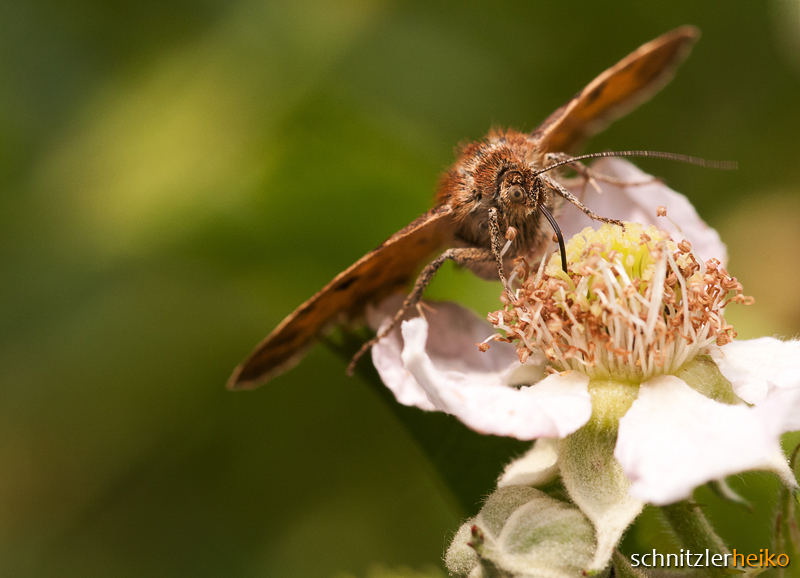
x=498 y=172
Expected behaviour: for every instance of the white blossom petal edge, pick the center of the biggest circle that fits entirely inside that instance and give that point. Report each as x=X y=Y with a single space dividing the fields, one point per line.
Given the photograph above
x=638 y=204
x=674 y=439
x=552 y=408
x=453 y=332
x=757 y=367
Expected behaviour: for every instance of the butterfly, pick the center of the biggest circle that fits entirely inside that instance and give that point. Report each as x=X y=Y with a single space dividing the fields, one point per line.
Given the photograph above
x=494 y=204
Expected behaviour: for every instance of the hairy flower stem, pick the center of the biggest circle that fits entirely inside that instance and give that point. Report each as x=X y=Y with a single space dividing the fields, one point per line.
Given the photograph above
x=623 y=568
x=694 y=531
x=786 y=537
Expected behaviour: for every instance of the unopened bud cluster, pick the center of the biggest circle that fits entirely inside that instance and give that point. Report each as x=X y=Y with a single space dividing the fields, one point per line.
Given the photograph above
x=522 y=531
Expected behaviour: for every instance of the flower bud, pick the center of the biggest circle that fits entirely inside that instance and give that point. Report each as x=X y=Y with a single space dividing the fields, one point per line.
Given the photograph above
x=521 y=531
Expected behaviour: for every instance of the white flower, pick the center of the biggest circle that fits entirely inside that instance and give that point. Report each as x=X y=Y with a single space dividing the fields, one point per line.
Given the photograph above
x=646 y=376
x=673 y=438
x=440 y=368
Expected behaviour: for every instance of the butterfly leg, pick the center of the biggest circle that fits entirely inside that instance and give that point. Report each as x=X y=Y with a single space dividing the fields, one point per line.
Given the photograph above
x=575 y=201
x=592 y=176
x=461 y=256
x=497 y=249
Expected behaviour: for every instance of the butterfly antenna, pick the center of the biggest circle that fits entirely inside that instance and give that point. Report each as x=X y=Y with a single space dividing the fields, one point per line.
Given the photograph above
x=722 y=165
x=560 y=237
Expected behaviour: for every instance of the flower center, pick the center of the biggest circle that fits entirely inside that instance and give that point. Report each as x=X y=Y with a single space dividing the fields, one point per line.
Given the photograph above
x=634 y=305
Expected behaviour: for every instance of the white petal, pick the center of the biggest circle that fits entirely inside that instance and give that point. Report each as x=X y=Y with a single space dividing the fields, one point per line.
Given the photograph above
x=453 y=334
x=554 y=407
x=538 y=466
x=780 y=412
x=638 y=204
x=386 y=358
x=674 y=439
x=755 y=367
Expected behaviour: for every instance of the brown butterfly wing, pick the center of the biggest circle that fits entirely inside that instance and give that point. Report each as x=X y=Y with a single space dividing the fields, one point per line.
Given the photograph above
x=376 y=274
x=616 y=92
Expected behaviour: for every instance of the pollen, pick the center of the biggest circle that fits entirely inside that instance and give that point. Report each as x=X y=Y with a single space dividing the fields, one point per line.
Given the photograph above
x=634 y=305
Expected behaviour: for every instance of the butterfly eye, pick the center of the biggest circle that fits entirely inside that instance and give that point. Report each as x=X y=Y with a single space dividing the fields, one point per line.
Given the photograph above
x=516 y=195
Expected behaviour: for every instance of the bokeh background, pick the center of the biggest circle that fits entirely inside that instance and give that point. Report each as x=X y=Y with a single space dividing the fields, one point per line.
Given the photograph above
x=175 y=177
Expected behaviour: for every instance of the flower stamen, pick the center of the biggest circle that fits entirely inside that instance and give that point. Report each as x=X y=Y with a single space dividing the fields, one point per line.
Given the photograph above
x=634 y=305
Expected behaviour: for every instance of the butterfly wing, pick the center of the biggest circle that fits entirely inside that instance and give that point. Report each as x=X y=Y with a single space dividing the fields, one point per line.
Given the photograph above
x=616 y=92
x=611 y=95
x=376 y=274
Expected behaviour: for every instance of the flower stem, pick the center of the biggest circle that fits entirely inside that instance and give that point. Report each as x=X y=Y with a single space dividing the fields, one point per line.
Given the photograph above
x=787 y=532
x=623 y=568
x=694 y=531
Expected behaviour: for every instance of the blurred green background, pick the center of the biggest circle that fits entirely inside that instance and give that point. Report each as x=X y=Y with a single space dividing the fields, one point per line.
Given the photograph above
x=175 y=177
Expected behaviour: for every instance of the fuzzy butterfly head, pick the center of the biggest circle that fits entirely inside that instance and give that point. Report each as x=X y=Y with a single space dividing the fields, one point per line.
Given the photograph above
x=497 y=172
